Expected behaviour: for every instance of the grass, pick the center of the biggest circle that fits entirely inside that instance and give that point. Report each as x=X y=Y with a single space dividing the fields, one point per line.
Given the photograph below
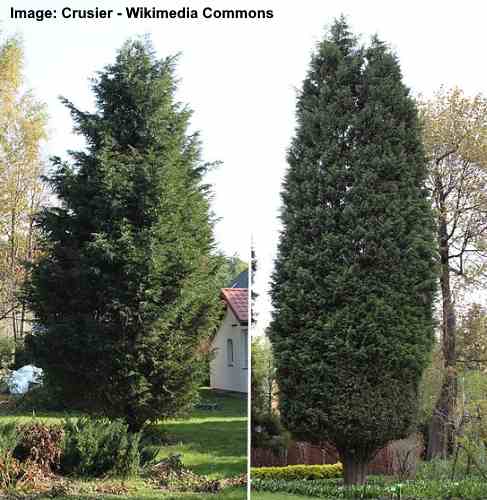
x=211 y=442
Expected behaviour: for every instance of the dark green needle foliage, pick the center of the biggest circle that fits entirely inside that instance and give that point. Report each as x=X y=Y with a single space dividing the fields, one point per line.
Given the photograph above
x=126 y=288
x=355 y=278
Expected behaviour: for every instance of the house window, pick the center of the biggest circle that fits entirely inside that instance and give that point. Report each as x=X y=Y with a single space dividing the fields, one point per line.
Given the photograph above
x=245 y=350
x=230 y=358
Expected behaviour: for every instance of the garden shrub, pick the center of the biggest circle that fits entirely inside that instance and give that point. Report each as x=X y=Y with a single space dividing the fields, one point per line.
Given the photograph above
x=268 y=432
x=293 y=472
x=9 y=440
x=96 y=447
x=40 y=444
x=15 y=474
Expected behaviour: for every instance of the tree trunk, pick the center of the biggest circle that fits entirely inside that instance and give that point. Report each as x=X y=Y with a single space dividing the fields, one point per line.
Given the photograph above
x=354 y=469
x=29 y=259
x=441 y=432
x=22 y=321
x=12 y=256
x=135 y=423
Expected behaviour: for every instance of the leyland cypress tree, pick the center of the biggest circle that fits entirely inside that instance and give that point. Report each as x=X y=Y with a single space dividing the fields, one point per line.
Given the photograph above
x=354 y=279
x=126 y=288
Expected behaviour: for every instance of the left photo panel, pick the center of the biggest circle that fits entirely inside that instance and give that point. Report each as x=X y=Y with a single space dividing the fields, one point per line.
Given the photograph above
x=124 y=258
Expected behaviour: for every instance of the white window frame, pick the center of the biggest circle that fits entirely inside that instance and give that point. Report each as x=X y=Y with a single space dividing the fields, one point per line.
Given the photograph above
x=230 y=353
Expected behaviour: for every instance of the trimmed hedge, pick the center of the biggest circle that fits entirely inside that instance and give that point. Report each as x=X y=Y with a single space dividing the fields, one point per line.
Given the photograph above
x=295 y=472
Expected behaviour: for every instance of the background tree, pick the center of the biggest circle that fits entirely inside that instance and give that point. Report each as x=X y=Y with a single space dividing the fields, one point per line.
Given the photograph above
x=265 y=424
x=253 y=294
x=472 y=333
x=354 y=280
x=128 y=286
x=263 y=376
x=231 y=267
x=455 y=138
x=22 y=131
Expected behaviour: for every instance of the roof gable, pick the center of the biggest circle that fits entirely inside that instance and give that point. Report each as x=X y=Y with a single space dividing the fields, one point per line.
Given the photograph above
x=238 y=301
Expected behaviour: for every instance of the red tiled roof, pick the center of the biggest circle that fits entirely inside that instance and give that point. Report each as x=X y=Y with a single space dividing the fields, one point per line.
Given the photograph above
x=238 y=300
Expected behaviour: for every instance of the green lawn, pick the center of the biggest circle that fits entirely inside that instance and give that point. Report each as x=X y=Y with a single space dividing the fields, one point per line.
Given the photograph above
x=212 y=442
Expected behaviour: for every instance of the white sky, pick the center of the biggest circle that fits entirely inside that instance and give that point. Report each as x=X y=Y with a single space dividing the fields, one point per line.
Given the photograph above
x=240 y=78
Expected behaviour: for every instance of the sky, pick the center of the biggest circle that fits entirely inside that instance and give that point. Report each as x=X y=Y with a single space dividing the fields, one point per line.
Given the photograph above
x=240 y=78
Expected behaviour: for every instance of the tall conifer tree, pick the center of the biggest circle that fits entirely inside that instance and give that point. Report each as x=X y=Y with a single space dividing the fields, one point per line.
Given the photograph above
x=354 y=280
x=127 y=288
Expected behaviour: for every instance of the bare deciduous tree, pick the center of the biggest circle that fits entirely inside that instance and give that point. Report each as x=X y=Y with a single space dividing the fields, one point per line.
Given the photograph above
x=455 y=138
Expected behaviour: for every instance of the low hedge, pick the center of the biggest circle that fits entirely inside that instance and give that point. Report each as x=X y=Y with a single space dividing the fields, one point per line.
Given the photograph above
x=295 y=472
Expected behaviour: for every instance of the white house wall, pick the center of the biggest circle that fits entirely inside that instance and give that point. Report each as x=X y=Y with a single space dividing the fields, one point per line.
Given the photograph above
x=223 y=376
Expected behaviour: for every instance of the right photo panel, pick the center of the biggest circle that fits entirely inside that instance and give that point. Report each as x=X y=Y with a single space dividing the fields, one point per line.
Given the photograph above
x=369 y=257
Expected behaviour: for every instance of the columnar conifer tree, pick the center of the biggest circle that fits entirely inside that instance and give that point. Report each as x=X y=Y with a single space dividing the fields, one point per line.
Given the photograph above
x=127 y=288
x=354 y=280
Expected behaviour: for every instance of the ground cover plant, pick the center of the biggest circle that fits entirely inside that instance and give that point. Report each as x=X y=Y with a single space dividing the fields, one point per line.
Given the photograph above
x=207 y=449
x=379 y=489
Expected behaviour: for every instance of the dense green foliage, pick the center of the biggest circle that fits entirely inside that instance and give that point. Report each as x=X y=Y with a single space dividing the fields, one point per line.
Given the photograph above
x=354 y=281
x=96 y=447
x=293 y=472
x=127 y=287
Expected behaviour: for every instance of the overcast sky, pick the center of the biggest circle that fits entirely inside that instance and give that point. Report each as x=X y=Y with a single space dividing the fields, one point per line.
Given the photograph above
x=240 y=79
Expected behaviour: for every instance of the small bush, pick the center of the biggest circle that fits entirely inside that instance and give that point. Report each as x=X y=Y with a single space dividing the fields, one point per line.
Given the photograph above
x=96 y=447
x=9 y=465
x=268 y=432
x=293 y=472
x=13 y=473
x=40 y=444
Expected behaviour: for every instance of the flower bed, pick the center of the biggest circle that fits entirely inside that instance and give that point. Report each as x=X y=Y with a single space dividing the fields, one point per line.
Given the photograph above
x=471 y=489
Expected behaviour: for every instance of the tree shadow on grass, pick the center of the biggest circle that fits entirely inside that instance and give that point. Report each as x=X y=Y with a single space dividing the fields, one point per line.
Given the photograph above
x=216 y=447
